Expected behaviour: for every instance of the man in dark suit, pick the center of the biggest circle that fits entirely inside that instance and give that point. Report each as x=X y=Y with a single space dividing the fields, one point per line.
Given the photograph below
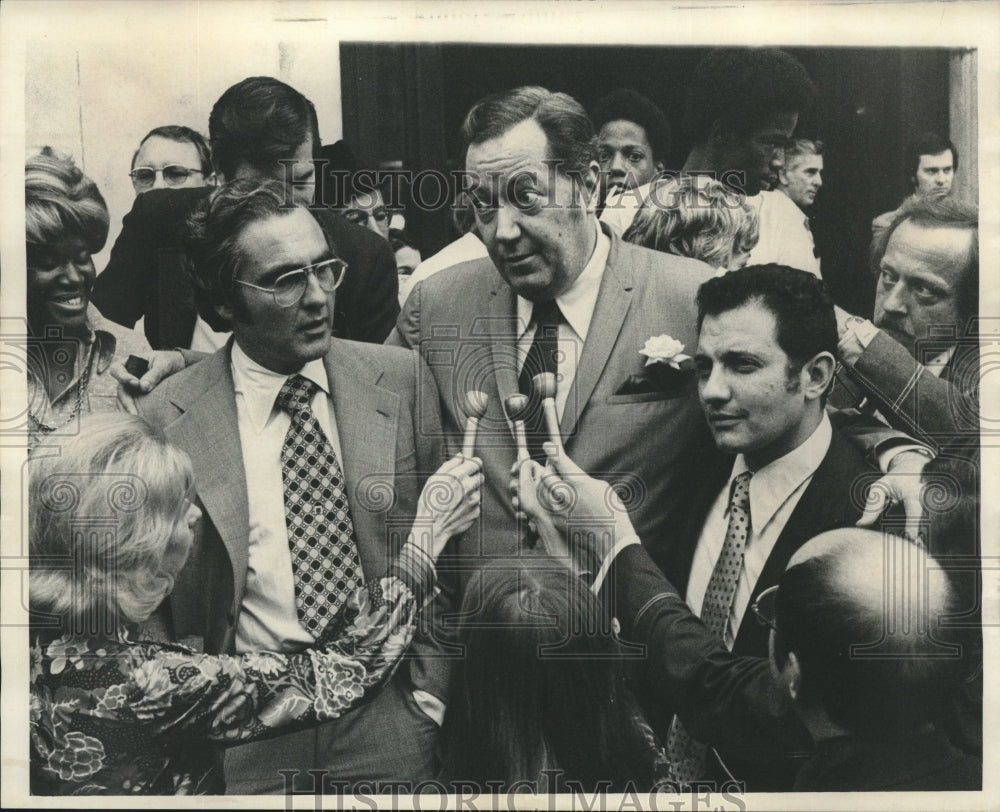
x=267 y=269
x=258 y=128
x=918 y=363
x=765 y=361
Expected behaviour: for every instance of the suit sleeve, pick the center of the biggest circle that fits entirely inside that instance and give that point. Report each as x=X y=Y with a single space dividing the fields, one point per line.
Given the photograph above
x=724 y=699
x=924 y=405
x=430 y=670
x=120 y=290
x=407 y=331
x=381 y=298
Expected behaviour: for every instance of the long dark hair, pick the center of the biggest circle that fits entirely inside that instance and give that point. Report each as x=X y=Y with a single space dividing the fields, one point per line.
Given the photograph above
x=541 y=686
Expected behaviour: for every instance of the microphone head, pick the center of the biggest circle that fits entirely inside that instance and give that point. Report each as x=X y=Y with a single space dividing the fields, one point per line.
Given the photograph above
x=516 y=406
x=476 y=403
x=545 y=384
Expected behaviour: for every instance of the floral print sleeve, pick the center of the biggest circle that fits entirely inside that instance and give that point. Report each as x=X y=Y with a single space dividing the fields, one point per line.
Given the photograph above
x=114 y=717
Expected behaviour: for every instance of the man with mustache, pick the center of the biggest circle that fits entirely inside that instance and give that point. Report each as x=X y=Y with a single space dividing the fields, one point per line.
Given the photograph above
x=917 y=362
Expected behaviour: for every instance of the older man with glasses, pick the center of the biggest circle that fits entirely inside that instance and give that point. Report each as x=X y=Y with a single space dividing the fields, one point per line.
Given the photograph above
x=284 y=424
x=171 y=157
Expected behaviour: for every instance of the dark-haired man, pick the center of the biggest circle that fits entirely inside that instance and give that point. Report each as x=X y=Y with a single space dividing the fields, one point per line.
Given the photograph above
x=285 y=403
x=633 y=142
x=930 y=166
x=259 y=128
x=743 y=105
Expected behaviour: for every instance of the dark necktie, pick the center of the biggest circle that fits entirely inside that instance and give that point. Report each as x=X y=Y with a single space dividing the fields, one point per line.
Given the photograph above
x=542 y=357
x=324 y=554
x=687 y=755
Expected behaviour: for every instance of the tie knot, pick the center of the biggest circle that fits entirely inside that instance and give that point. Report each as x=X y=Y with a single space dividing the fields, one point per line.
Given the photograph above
x=546 y=315
x=296 y=394
x=740 y=496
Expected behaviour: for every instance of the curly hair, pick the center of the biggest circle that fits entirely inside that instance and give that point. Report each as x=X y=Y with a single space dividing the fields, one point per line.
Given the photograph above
x=742 y=87
x=103 y=505
x=60 y=202
x=696 y=217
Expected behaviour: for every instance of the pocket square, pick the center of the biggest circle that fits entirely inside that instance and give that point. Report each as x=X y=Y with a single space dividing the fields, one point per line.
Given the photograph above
x=658 y=378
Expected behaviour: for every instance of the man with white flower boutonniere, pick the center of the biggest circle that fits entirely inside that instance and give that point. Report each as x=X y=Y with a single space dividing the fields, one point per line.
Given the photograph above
x=563 y=294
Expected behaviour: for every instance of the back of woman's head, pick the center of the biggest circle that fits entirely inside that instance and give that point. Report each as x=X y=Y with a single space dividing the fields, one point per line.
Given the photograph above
x=102 y=506
x=540 y=684
x=60 y=201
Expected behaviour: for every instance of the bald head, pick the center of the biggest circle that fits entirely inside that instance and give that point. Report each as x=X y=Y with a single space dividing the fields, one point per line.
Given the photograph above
x=862 y=611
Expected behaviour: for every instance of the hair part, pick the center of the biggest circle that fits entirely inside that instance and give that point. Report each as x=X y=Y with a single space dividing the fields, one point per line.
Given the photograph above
x=568 y=129
x=183 y=135
x=60 y=202
x=260 y=122
x=742 y=87
x=103 y=505
x=695 y=217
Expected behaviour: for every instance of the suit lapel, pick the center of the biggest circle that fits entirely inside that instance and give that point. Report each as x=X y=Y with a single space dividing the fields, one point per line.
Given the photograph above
x=366 y=417
x=209 y=430
x=612 y=305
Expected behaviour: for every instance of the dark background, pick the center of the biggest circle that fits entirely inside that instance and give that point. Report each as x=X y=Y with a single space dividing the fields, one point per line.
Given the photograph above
x=403 y=104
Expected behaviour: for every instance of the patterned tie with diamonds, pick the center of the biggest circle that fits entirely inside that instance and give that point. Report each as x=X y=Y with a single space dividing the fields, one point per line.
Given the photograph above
x=320 y=531
x=687 y=755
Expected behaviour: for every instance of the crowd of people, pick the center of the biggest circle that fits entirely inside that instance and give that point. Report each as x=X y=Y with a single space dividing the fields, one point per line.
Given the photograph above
x=608 y=494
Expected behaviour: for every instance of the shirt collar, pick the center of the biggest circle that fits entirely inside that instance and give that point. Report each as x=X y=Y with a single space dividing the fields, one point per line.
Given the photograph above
x=936 y=365
x=578 y=301
x=771 y=486
x=259 y=386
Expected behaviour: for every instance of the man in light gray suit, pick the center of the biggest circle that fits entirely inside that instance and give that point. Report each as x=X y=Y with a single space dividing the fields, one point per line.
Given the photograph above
x=562 y=293
x=268 y=269
x=531 y=163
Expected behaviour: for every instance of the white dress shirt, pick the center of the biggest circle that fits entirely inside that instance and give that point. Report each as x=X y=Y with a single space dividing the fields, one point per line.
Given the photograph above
x=785 y=237
x=775 y=490
x=268 y=618
x=577 y=307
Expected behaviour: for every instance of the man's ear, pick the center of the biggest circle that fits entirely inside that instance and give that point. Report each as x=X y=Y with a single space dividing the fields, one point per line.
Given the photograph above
x=591 y=180
x=782 y=177
x=225 y=310
x=820 y=374
x=659 y=166
x=792 y=676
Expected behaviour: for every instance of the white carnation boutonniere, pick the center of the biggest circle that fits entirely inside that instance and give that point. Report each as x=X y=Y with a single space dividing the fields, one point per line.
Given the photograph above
x=664 y=349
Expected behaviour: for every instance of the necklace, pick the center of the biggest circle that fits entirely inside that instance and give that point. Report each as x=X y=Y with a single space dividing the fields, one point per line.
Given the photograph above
x=81 y=388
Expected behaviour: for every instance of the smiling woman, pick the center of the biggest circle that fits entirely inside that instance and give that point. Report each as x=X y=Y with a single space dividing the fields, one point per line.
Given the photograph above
x=71 y=347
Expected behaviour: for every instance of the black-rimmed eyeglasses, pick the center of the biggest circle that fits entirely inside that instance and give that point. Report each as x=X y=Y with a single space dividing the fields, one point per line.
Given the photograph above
x=289 y=288
x=143 y=177
x=764 y=607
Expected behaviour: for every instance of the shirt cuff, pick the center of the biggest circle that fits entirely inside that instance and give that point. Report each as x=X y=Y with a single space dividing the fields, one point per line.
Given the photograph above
x=886 y=457
x=609 y=559
x=430 y=705
x=856 y=338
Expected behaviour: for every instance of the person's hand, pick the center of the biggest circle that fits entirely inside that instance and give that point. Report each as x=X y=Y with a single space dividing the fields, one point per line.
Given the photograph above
x=162 y=364
x=575 y=514
x=448 y=504
x=902 y=483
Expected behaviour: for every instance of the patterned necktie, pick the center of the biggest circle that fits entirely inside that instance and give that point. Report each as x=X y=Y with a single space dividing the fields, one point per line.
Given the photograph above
x=541 y=357
x=687 y=755
x=320 y=531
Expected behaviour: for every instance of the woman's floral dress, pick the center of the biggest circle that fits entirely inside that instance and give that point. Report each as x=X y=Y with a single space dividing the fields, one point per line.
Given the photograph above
x=119 y=717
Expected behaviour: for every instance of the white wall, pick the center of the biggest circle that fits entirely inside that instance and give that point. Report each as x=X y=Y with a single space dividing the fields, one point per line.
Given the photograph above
x=166 y=63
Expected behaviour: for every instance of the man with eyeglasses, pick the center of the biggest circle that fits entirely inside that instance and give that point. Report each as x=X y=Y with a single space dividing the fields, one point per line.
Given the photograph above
x=767 y=338
x=171 y=157
x=259 y=128
x=266 y=270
